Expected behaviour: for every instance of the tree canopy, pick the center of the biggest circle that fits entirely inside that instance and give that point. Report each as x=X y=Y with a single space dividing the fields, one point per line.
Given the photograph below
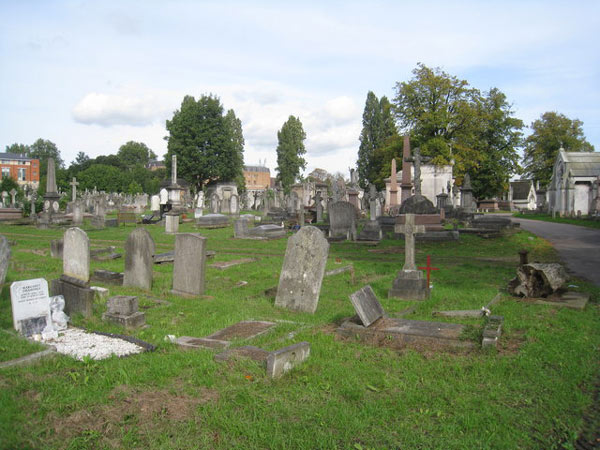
x=290 y=149
x=208 y=145
x=549 y=133
x=378 y=128
x=134 y=153
x=453 y=123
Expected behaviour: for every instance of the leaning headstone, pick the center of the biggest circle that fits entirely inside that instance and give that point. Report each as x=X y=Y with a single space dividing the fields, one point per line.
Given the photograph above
x=190 y=263
x=283 y=360
x=4 y=258
x=30 y=306
x=366 y=305
x=123 y=310
x=139 y=249
x=303 y=269
x=76 y=254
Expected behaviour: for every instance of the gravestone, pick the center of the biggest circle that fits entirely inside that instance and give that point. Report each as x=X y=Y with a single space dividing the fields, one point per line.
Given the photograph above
x=13 y=198
x=319 y=206
x=409 y=283
x=56 y=248
x=283 y=360
x=190 y=263
x=4 y=258
x=30 y=305
x=234 y=204
x=342 y=220
x=302 y=271
x=240 y=228
x=77 y=213
x=139 y=249
x=212 y=221
x=366 y=305
x=215 y=204
x=155 y=203
x=171 y=223
x=76 y=254
x=123 y=310
x=74 y=185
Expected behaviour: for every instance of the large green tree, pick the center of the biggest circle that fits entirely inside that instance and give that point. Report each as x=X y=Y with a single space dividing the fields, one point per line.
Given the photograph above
x=549 y=133
x=104 y=178
x=201 y=137
x=290 y=148
x=378 y=128
x=18 y=149
x=134 y=154
x=43 y=149
x=236 y=136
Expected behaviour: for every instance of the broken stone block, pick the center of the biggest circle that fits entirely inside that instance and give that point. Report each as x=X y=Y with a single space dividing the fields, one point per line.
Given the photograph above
x=107 y=276
x=122 y=304
x=101 y=293
x=538 y=280
x=283 y=360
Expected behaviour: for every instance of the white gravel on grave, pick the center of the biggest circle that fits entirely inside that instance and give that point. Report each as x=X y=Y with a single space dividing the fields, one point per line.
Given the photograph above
x=77 y=343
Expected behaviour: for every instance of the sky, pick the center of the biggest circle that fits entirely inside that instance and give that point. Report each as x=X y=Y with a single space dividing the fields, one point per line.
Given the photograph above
x=93 y=75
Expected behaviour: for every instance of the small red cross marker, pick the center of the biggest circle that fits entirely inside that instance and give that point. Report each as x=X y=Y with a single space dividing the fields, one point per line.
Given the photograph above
x=428 y=268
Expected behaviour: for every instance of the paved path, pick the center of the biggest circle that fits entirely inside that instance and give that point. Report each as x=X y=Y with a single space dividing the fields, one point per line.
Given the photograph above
x=578 y=247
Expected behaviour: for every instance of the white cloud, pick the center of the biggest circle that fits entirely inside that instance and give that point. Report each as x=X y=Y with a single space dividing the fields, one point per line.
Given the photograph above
x=109 y=110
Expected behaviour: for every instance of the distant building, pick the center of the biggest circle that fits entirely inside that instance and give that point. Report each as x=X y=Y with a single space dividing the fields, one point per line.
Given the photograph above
x=434 y=180
x=155 y=164
x=24 y=170
x=571 y=187
x=258 y=178
x=523 y=195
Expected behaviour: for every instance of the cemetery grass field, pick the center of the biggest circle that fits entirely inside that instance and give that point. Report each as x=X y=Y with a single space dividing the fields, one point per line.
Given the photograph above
x=532 y=392
x=590 y=223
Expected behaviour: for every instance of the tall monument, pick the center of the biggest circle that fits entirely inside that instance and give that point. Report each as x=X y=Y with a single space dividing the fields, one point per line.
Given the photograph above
x=51 y=197
x=406 y=184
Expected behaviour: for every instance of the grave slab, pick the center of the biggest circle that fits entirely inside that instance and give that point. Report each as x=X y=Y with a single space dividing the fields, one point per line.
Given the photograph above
x=190 y=263
x=285 y=359
x=248 y=351
x=196 y=343
x=246 y=329
x=134 y=320
x=4 y=258
x=107 y=276
x=222 y=265
x=468 y=313
x=572 y=300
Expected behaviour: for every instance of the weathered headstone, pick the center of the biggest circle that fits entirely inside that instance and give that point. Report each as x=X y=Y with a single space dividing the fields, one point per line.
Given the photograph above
x=77 y=213
x=189 y=266
x=139 y=249
x=366 y=305
x=342 y=220
x=56 y=248
x=13 y=198
x=283 y=360
x=30 y=305
x=240 y=228
x=4 y=258
x=123 y=310
x=76 y=254
x=155 y=203
x=74 y=185
x=303 y=269
x=409 y=284
x=171 y=223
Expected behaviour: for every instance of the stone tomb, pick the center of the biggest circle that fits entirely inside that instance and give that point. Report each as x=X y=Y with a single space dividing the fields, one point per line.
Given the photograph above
x=302 y=271
x=189 y=267
x=398 y=333
x=244 y=330
x=269 y=231
x=30 y=306
x=123 y=310
x=212 y=221
x=74 y=283
x=139 y=250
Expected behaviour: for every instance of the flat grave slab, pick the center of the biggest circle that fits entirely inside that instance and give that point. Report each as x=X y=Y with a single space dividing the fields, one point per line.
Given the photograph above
x=402 y=333
x=248 y=351
x=246 y=329
x=572 y=300
x=196 y=343
x=169 y=257
x=222 y=265
x=107 y=276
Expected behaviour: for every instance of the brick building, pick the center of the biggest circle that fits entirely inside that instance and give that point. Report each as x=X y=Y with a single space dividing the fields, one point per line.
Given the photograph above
x=24 y=170
x=258 y=178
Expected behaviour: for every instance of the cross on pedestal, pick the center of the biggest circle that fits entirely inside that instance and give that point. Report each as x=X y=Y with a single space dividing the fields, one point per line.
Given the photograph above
x=428 y=268
x=74 y=185
x=408 y=229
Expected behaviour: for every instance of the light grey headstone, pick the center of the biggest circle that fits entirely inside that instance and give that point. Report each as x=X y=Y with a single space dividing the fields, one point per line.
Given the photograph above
x=76 y=254
x=77 y=213
x=342 y=220
x=283 y=360
x=155 y=203
x=190 y=263
x=124 y=305
x=4 y=258
x=171 y=223
x=30 y=305
x=366 y=305
x=164 y=196
x=240 y=228
x=303 y=269
x=139 y=249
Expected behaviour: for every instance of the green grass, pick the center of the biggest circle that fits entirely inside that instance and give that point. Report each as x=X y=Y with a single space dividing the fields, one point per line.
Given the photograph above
x=590 y=223
x=531 y=393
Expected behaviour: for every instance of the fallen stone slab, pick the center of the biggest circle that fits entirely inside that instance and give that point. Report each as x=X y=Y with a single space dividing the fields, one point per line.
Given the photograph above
x=339 y=270
x=107 y=276
x=248 y=351
x=572 y=300
x=222 y=265
x=246 y=329
x=367 y=306
x=190 y=342
x=285 y=359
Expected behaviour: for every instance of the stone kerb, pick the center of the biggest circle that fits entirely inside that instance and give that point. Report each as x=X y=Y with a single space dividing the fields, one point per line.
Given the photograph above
x=139 y=249
x=302 y=271
x=76 y=254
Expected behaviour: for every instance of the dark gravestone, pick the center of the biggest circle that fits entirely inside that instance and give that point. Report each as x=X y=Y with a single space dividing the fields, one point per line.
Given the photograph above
x=303 y=269
x=189 y=266
x=366 y=305
x=342 y=220
x=417 y=204
x=56 y=248
x=139 y=249
x=106 y=276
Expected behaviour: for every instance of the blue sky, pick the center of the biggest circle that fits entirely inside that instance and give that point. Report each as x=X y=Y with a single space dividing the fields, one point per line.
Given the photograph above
x=90 y=76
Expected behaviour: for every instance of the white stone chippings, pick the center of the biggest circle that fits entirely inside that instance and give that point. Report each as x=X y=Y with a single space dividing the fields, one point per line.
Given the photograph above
x=79 y=344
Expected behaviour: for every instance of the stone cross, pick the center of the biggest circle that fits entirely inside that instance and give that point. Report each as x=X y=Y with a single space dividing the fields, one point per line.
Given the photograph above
x=417 y=159
x=318 y=206
x=409 y=229
x=4 y=197
x=13 y=194
x=74 y=185
x=33 y=197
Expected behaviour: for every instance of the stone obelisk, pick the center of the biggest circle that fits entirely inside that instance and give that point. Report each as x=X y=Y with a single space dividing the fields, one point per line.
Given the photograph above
x=393 y=185
x=406 y=184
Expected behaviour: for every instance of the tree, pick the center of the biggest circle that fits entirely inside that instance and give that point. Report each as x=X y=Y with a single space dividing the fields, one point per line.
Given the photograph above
x=102 y=177
x=551 y=132
x=201 y=137
x=290 y=149
x=436 y=109
x=18 y=149
x=44 y=149
x=378 y=127
x=234 y=126
x=135 y=153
